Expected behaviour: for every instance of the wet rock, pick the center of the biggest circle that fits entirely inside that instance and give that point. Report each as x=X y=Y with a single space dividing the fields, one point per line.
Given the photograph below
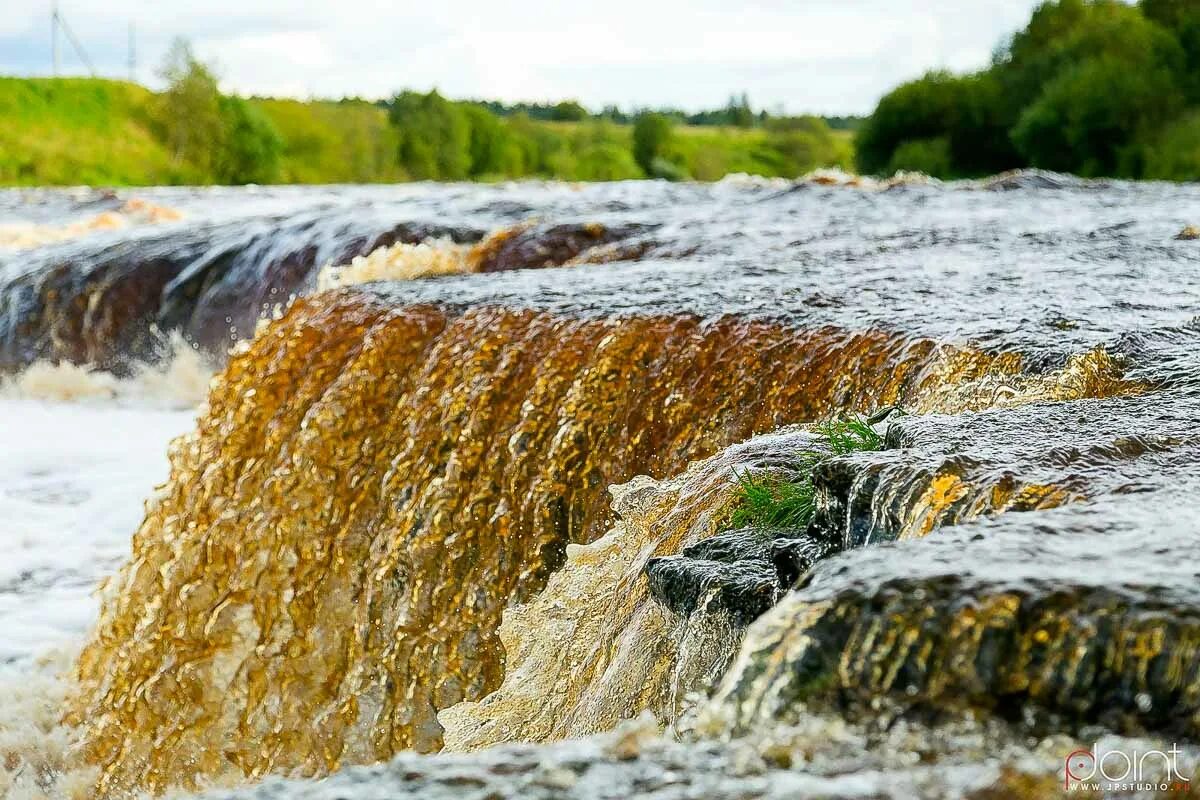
x=1028 y=179
x=793 y=556
x=742 y=572
x=826 y=761
x=1189 y=234
x=732 y=573
x=111 y=306
x=1062 y=618
x=537 y=247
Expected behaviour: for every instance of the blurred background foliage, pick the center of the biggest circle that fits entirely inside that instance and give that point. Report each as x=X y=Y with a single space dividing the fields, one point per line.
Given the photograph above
x=1092 y=87
x=61 y=131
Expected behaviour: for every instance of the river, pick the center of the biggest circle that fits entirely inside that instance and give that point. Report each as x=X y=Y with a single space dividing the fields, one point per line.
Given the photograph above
x=463 y=478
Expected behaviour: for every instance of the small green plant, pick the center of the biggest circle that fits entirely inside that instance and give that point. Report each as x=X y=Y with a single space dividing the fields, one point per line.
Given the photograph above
x=772 y=501
x=787 y=501
x=850 y=435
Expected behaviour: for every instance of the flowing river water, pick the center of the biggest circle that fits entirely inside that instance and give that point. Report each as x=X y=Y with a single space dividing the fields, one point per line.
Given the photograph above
x=462 y=480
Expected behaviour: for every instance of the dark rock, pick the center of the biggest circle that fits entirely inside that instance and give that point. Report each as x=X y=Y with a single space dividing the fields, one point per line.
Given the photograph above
x=742 y=573
x=538 y=247
x=109 y=305
x=1060 y=618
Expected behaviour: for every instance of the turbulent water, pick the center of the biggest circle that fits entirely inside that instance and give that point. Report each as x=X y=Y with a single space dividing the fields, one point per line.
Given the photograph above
x=458 y=432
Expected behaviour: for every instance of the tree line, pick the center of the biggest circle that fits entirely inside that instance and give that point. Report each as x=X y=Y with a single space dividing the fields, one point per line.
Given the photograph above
x=1091 y=87
x=430 y=137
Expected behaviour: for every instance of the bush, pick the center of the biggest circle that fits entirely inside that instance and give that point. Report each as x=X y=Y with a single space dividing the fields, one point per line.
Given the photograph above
x=1181 y=18
x=930 y=156
x=1175 y=154
x=919 y=110
x=569 y=111
x=1079 y=90
x=667 y=170
x=492 y=149
x=652 y=135
x=803 y=144
x=603 y=161
x=333 y=142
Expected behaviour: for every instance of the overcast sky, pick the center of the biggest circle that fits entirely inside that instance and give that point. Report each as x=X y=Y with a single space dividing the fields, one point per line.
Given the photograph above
x=823 y=56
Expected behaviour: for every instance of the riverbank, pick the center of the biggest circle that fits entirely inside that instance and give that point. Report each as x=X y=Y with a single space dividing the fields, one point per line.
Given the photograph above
x=73 y=131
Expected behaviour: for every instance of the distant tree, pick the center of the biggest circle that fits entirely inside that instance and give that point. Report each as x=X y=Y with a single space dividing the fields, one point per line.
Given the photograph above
x=1181 y=18
x=739 y=111
x=1108 y=79
x=652 y=135
x=569 y=111
x=250 y=145
x=1089 y=119
x=929 y=108
x=492 y=149
x=614 y=114
x=434 y=136
x=190 y=109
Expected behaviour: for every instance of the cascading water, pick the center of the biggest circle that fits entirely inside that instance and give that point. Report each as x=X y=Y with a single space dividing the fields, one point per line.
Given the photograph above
x=387 y=471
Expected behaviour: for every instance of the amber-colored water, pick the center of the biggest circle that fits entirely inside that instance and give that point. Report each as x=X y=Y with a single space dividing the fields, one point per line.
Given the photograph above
x=372 y=485
x=416 y=514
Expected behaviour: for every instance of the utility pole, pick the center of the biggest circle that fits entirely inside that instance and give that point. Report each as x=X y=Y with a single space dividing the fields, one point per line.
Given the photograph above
x=54 y=35
x=132 y=55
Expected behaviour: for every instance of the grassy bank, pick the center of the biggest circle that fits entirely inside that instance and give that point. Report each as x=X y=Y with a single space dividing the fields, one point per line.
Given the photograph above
x=73 y=131
x=70 y=131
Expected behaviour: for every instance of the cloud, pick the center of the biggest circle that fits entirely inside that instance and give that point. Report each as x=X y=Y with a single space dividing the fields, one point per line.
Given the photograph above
x=833 y=56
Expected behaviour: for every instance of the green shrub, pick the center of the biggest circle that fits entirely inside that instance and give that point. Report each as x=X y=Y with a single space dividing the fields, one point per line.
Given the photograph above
x=603 y=161
x=803 y=144
x=930 y=156
x=667 y=170
x=434 y=134
x=1181 y=18
x=787 y=501
x=1175 y=154
x=250 y=145
x=333 y=142
x=1088 y=119
x=652 y=135
x=923 y=109
x=1079 y=89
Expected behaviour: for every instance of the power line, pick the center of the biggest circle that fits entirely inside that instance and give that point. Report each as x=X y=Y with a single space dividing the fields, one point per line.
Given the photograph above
x=57 y=22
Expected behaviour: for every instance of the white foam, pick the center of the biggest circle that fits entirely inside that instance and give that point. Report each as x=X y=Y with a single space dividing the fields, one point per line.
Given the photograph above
x=81 y=450
x=180 y=381
x=397 y=263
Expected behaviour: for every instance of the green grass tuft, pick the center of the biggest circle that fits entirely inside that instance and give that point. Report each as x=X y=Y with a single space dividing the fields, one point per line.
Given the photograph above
x=772 y=501
x=787 y=501
x=850 y=435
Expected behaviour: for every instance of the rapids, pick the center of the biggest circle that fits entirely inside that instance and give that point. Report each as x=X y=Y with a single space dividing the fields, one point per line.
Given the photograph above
x=455 y=426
